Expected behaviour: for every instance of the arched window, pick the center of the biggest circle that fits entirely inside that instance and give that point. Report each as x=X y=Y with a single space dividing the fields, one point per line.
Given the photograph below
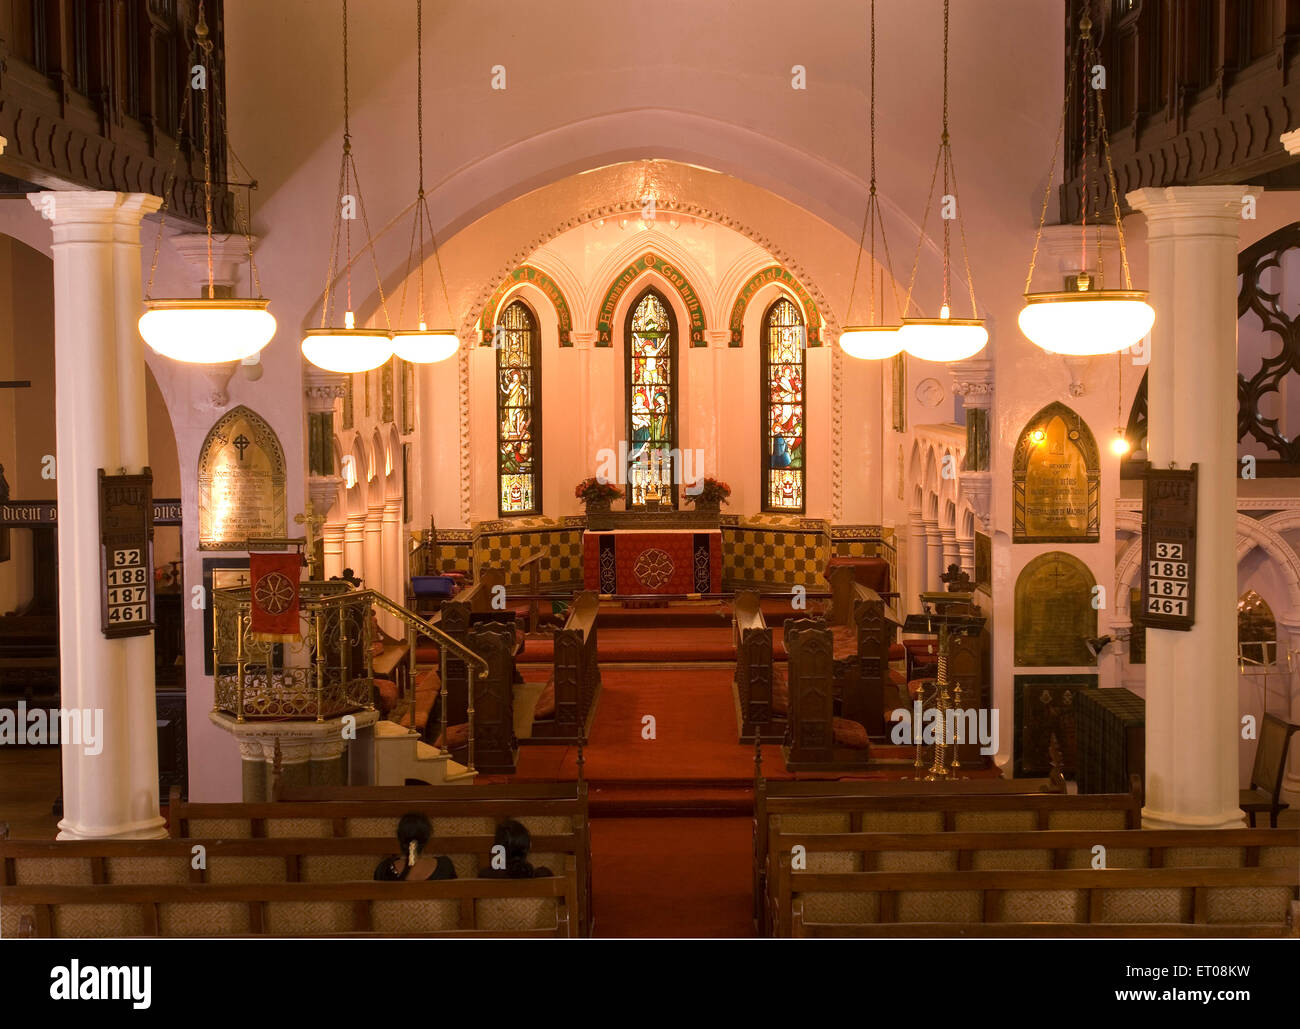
x=519 y=413
x=782 y=400
x=650 y=360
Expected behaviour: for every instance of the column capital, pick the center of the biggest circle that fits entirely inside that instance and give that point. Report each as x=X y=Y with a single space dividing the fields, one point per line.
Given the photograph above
x=1170 y=203
x=93 y=207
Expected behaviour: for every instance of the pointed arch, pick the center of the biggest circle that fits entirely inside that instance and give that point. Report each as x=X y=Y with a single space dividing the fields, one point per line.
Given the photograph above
x=647 y=262
x=812 y=318
x=518 y=389
x=651 y=376
x=783 y=398
x=546 y=284
x=1073 y=511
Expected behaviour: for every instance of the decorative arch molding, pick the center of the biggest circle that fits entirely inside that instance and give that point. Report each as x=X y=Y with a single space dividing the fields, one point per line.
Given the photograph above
x=689 y=210
x=1251 y=533
x=543 y=282
x=1080 y=437
x=775 y=273
x=647 y=262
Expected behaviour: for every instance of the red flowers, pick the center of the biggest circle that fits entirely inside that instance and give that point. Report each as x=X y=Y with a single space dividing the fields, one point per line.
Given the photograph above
x=592 y=489
x=712 y=491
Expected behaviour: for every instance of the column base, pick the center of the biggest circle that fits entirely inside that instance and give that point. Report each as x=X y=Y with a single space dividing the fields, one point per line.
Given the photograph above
x=1172 y=820
x=149 y=829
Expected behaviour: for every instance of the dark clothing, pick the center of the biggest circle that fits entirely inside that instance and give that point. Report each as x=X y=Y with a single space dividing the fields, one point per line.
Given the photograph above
x=523 y=870
x=386 y=870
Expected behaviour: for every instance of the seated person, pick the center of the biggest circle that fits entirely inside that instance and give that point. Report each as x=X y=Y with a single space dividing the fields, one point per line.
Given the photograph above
x=514 y=843
x=413 y=865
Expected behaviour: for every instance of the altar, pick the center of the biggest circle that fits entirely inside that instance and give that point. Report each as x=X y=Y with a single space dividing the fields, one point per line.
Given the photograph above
x=664 y=561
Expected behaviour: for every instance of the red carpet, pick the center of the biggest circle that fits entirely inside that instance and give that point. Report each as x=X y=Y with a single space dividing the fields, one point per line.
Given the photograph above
x=672 y=877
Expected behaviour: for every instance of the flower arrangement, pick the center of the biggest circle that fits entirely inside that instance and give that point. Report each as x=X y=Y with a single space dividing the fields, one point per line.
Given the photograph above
x=592 y=490
x=712 y=491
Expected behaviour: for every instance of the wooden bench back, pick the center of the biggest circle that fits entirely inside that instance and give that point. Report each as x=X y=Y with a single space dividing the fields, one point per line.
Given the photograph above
x=556 y=812
x=811 y=674
x=577 y=672
x=470 y=907
x=1014 y=853
x=753 y=641
x=906 y=806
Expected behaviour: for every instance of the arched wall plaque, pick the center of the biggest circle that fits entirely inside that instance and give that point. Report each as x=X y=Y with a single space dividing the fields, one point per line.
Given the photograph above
x=1054 y=612
x=241 y=482
x=1056 y=480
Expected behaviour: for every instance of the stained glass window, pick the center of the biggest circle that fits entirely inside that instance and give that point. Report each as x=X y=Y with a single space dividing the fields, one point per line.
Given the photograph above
x=519 y=413
x=651 y=361
x=784 y=470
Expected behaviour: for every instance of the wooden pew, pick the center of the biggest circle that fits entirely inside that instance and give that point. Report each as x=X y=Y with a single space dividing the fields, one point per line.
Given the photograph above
x=468 y=907
x=844 y=898
x=863 y=629
x=564 y=708
x=816 y=738
x=755 y=676
x=548 y=810
x=908 y=806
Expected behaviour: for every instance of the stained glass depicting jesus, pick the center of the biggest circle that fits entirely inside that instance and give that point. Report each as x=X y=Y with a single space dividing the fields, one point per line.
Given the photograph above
x=783 y=385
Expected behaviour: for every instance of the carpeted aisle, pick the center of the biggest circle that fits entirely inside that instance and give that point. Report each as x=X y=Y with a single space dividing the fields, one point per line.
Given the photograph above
x=672 y=877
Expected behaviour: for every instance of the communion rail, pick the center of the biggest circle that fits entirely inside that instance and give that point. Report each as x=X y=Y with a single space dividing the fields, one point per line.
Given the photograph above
x=326 y=669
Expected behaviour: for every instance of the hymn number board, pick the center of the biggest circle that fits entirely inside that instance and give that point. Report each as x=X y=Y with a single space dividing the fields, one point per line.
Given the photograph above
x=1169 y=548
x=126 y=553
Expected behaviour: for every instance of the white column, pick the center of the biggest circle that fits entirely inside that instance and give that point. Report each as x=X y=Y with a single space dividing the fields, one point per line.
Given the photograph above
x=100 y=423
x=332 y=538
x=354 y=536
x=933 y=555
x=394 y=556
x=915 y=560
x=1191 y=699
x=1288 y=637
x=372 y=559
x=948 y=538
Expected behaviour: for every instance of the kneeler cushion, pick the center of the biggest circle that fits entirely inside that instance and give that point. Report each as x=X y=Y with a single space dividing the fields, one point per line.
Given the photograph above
x=546 y=701
x=848 y=733
x=386 y=690
x=457 y=737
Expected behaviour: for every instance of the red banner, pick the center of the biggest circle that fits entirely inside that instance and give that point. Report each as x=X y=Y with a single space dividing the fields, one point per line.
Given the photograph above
x=275 y=596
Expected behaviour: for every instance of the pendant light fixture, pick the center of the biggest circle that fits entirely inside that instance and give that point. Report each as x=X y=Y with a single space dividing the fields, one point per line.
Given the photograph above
x=422 y=345
x=208 y=329
x=348 y=349
x=944 y=338
x=872 y=341
x=1088 y=319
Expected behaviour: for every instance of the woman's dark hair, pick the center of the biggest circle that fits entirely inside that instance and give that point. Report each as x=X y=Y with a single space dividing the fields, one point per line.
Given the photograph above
x=413 y=828
x=517 y=841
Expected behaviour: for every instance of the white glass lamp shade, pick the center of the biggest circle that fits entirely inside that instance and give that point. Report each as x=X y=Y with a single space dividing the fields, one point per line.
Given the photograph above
x=347 y=350
x=1086 y=323
x=871 y=342
x=425 y=346
x=207 y=330
x=943 y=339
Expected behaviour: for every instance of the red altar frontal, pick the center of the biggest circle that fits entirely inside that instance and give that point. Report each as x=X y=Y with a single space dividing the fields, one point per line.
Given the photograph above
x=631 y=561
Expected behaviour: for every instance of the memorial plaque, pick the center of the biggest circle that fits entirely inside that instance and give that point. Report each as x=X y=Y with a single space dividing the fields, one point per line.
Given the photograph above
x=1054 y=612
x=126 y=554
x=241 y=483
x=1169 y=548
x=1056 y=480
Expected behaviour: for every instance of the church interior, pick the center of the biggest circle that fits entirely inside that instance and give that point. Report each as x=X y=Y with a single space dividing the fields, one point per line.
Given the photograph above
x=606 y=469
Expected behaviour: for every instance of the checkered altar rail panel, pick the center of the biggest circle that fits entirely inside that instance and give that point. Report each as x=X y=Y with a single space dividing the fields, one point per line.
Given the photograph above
x=759 y=554
x=504 y=544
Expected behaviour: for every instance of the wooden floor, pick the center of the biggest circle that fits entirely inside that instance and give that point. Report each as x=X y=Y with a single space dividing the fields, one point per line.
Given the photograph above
x=30 y=781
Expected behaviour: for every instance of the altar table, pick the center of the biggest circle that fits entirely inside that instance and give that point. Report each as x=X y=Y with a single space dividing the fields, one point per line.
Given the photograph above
x=634 y=561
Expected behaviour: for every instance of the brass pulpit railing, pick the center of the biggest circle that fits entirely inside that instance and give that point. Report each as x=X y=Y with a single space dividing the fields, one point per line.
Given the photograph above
x=328 y=671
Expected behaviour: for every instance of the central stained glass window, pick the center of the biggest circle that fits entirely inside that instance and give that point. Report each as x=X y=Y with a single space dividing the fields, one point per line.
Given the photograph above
x=651 y=363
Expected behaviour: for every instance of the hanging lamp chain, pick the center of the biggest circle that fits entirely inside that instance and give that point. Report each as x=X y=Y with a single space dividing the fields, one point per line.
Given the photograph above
x=205 y=50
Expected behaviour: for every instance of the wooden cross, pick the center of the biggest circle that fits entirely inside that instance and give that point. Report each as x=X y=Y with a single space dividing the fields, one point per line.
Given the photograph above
x=311 y=523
